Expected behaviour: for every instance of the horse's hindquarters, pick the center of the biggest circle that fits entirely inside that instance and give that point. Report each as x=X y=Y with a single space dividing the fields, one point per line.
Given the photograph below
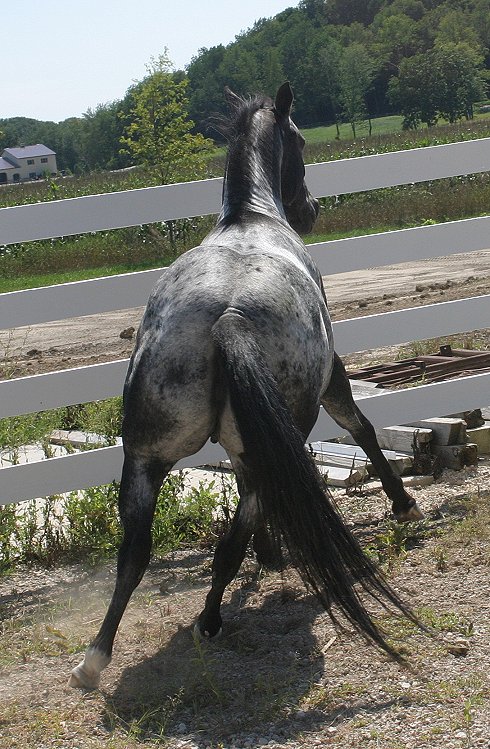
x=170 y=402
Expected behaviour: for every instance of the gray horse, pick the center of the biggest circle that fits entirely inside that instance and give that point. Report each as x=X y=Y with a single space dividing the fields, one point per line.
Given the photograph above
x=236 y=346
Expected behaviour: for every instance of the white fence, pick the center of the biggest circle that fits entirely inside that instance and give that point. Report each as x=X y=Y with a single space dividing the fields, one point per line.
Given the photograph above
x=134 y=207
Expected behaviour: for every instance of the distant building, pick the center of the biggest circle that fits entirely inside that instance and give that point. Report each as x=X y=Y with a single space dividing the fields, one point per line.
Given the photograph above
x=26 y=163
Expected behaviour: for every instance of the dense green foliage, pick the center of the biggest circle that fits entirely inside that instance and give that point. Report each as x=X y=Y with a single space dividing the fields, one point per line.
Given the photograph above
x=348 y=60
x=341 y=55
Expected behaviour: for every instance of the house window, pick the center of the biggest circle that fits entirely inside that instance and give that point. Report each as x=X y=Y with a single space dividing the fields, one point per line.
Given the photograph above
x=30 y=161
x=32 y=175
x=44 y=160
x=16 y=178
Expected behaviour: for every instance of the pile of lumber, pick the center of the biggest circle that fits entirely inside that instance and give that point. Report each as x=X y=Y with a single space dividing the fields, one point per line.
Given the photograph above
x=422 y=447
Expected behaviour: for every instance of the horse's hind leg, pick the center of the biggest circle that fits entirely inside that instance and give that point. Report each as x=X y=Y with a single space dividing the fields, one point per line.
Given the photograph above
x=266 y=552
x=340 y=404
x=140 y=484
x=228 y=557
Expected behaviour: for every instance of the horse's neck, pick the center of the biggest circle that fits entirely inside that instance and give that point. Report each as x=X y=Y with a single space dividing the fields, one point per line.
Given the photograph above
x=252 y=181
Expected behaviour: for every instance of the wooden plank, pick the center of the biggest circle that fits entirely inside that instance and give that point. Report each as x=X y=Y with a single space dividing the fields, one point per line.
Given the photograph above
x=62 y=218
x=346 y=449
x=77 y=439
x=123 y=291
x=401 y=438
x=456 y=457
x=96 y=382
x=401 y=246
x=342 y=477
x=76 y=299
x=80 y=471
x=340 y=461
x=411 y=404
x=445 y=430
x=480 y=436
x=398 y=168
x=407 y=481
x=64 y=388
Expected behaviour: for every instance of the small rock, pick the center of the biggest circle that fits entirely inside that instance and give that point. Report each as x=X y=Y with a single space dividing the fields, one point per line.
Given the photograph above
x=458 y=647
x=127 y=333
x=182 y=728
x=34 y=352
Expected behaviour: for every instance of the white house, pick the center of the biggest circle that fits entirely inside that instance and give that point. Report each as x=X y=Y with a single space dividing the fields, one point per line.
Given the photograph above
x=27 y=163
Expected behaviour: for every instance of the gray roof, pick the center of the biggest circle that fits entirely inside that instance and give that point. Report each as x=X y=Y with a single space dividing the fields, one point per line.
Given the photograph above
x=29 y=152
x=6 y=165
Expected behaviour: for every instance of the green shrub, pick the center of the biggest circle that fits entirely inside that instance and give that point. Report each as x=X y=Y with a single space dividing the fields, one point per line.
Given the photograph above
x=84 y=526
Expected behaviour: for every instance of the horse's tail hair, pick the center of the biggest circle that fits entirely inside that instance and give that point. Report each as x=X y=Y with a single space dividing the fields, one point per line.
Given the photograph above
x=291 y=493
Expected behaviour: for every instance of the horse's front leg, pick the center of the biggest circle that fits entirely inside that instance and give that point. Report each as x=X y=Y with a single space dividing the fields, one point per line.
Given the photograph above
x=340 y=404
x=140 y=484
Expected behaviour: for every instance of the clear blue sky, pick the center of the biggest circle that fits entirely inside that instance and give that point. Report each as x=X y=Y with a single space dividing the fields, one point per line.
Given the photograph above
x=60 y=57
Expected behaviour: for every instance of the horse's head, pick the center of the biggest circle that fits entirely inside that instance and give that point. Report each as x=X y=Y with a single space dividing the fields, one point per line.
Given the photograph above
x=300 y=206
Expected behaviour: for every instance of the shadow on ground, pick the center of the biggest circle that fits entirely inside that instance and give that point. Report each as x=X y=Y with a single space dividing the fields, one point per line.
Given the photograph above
x=249 y=680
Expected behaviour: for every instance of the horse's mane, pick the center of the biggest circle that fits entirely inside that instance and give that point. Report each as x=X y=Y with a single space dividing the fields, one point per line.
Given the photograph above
x=241 y=112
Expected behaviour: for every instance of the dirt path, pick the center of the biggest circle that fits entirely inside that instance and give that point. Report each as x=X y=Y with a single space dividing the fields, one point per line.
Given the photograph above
x=87 y=340
x=281 y=676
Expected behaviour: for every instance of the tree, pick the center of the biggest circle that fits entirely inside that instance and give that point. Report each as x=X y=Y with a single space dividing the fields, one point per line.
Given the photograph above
x=345 y=12
x=206 y=86
x=415 y=92
x=103 y=129
x=397 y=37
x=462 y=83
x=355 y=77
x=326 y=54
x=444 y=82
x=158 y=134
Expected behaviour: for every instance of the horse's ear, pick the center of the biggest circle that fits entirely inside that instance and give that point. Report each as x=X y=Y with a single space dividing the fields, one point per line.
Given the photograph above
x=232 y=99
x=284 y=100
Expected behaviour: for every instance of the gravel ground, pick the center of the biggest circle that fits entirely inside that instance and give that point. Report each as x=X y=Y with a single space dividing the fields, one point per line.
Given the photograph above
x=281 y=675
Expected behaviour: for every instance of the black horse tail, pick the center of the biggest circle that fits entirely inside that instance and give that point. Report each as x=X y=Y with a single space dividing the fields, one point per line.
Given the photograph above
x=290 y=491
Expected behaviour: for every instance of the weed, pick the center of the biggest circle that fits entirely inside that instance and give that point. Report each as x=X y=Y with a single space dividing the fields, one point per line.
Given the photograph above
x=85 y=526
x=440 y=555
x=391 y=544
x=446 y=621
x=205 y=665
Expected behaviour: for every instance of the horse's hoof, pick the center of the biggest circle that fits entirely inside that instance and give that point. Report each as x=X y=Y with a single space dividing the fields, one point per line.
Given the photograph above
x=200 y=635
x=413 y=513
x=87 y=674
x=79 y=679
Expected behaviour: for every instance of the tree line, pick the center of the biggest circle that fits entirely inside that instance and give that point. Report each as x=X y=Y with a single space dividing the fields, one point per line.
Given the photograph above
x=348 y=61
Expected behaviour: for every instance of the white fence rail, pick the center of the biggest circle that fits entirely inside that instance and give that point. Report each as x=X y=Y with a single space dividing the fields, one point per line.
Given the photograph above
x=134 y=207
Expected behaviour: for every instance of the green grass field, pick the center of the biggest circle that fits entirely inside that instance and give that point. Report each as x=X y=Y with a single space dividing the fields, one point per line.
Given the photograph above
x=380 y=126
